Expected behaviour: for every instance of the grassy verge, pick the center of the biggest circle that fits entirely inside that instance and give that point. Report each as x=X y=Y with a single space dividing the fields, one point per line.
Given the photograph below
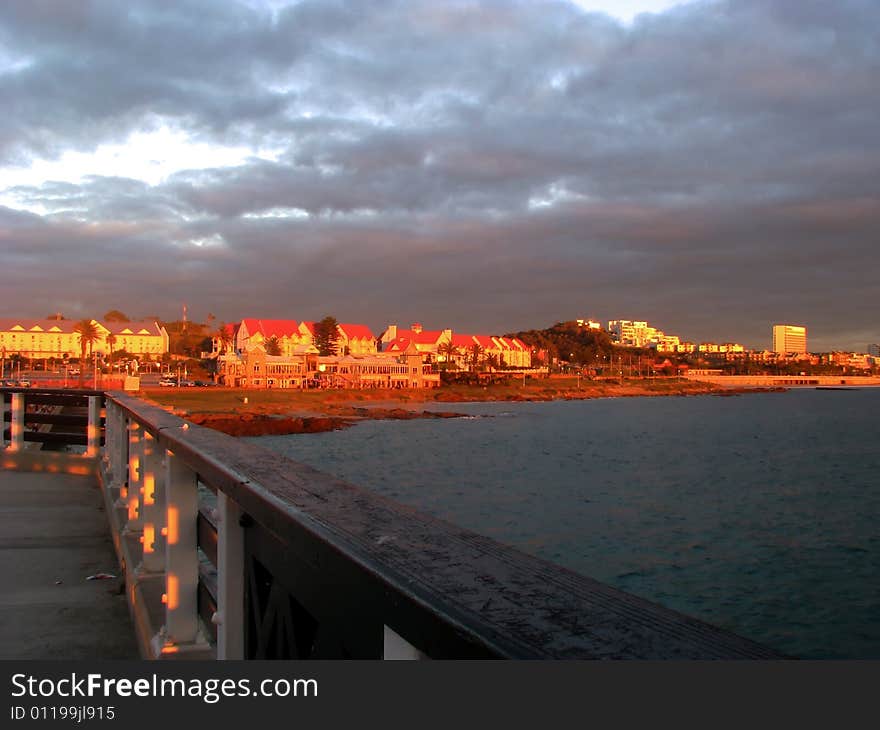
x=336 y=402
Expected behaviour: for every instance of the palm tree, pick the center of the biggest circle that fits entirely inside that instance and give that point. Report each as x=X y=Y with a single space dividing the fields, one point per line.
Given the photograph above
x=88 y=335
x=111 y=340
x=476 y=352
x=224 y=337
x=449 y=351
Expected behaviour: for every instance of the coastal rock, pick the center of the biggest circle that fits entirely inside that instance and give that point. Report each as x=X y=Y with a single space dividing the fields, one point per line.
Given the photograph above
x=250 y=424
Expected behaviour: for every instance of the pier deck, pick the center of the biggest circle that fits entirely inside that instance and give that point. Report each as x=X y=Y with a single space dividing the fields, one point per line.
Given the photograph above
x=53 y=535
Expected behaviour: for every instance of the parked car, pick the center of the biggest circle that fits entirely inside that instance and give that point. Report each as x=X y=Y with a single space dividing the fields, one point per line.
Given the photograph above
x=24 y=383
x=187 y=383
x=168 y=382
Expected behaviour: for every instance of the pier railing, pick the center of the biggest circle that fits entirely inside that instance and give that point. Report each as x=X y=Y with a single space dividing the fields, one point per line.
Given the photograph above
x=41 y=426
x=232 y=551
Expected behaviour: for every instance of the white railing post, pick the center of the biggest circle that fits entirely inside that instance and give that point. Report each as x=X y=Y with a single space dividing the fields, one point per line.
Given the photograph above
x=230 y=580
x=109 y=437
x=16 y=426
x=152 y=504
x=394 y=646
x=94 y=428
x=132 y=494
x=181 y=551
x=119 y=449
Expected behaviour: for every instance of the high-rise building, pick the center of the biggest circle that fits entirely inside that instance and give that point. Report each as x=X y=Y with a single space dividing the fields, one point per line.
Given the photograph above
x=874 y=350
x=789 y=338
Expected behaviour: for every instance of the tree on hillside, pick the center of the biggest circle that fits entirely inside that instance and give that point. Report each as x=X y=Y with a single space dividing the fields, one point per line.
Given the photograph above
x=571 y=342
x=224 y=337
x=326 y=336
x=114 y=315
x=88 y=334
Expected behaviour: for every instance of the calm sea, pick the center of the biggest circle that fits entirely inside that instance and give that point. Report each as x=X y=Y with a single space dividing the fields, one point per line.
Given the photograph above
x=759 y=513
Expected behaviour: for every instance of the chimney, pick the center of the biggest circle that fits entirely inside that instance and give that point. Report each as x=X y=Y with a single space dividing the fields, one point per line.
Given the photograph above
x=416 y=327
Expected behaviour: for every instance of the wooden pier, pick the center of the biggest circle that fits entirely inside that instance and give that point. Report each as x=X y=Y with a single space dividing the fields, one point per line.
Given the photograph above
x=231 y=551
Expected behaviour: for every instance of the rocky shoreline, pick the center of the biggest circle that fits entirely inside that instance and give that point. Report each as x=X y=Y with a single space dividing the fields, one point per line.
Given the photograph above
x=256 y=424
x=251 y=420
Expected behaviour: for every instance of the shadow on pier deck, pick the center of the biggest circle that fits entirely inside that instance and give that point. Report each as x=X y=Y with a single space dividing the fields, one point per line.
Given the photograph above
x=231 y=551
x=53 y=536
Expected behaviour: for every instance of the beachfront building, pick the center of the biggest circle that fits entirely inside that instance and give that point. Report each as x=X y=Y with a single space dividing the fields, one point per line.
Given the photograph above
x=431 y=343
x=288 y=333
x=254 y=368
x=391 y=369
x=789 y=339
x=465 y=351
x=43 y=339
x=355 y=339
x=291 y=335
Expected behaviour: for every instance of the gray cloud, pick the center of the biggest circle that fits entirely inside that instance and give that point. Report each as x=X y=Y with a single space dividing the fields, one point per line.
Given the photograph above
x=484 y=165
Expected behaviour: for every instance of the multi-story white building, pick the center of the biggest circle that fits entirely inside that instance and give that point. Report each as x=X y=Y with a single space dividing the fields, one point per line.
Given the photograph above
x=636 y=333
x=41 y=339
x=789 y=338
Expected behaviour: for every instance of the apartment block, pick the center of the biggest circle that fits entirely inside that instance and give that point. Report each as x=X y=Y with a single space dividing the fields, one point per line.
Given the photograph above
x=789 y=338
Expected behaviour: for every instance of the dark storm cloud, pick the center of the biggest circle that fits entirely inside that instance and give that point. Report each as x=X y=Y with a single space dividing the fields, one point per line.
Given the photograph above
x=495 y=165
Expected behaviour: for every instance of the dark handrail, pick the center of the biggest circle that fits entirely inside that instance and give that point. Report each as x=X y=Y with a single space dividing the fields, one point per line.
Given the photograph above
x=351 y=560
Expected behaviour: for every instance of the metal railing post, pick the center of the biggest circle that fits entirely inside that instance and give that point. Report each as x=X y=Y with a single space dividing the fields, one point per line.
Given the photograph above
x=152 y=504
x=230 y=580
x=181 y=551
x=16 y=425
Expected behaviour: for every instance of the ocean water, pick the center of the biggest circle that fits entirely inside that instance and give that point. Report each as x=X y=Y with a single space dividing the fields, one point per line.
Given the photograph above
x=759 y=513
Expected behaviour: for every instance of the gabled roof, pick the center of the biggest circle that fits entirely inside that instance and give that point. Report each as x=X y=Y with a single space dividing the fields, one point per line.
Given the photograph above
x=462 y=340
x=398 y=345
x=402 y=345
x=26 y=324
x=485 y=341
x=132 y=328
x=357 y=331
x=271 y=327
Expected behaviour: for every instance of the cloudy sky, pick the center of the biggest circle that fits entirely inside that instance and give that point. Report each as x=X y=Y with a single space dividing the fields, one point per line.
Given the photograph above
x=712 y=166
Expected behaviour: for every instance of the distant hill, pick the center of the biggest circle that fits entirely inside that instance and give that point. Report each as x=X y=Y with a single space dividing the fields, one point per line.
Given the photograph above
x=569 y=341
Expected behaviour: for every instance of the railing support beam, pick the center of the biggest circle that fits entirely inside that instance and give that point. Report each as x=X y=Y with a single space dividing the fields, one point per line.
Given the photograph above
x=16 y=426
x=181 y=551
x=93 y=430
x=230 y=580
x=152 y=504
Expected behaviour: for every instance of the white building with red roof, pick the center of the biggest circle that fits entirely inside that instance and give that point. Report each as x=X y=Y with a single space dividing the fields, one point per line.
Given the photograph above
x=289 y=333
x=355 y=339
x=448 y=346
